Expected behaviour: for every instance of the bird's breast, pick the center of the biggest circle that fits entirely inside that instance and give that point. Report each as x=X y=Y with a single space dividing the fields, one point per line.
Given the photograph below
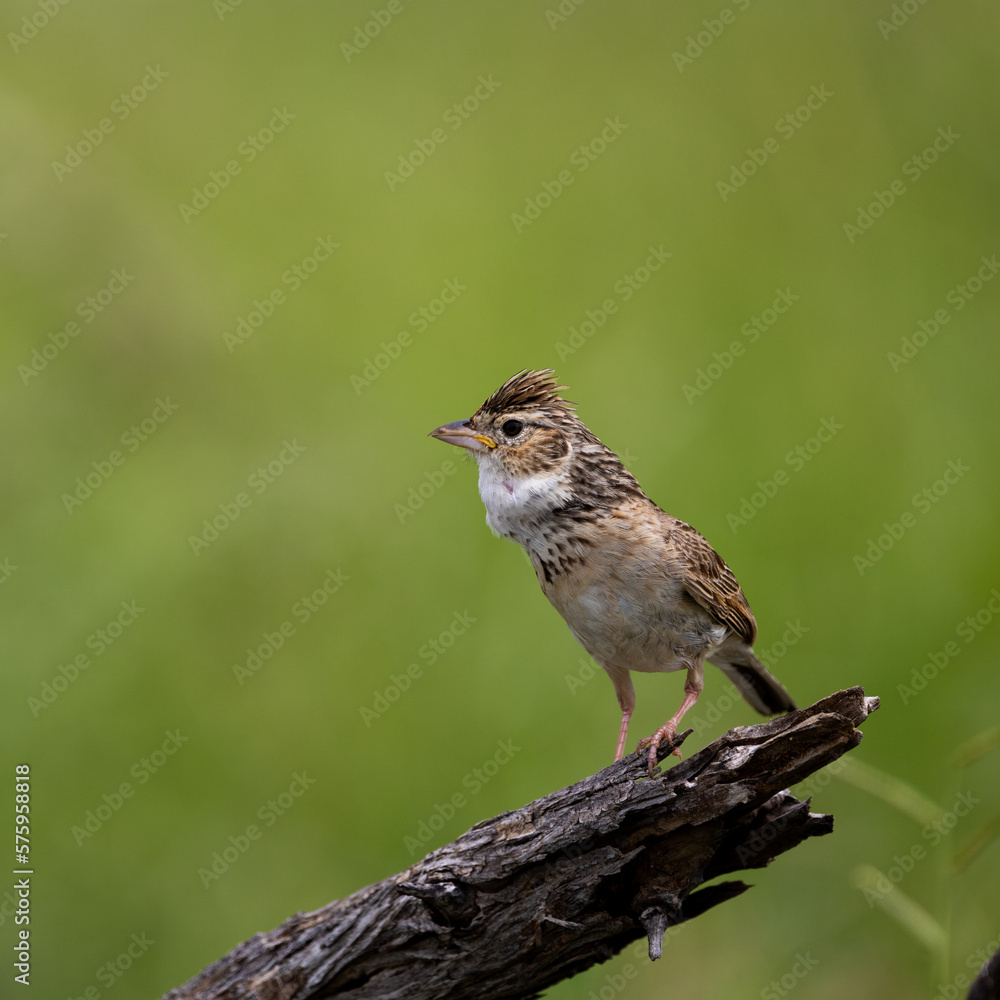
x=626 y=607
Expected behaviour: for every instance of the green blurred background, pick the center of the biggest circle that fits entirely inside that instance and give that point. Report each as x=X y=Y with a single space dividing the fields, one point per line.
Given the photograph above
x=362 y=492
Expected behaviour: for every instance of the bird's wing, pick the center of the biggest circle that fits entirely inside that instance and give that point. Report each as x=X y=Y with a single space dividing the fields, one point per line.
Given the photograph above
x=710 y=581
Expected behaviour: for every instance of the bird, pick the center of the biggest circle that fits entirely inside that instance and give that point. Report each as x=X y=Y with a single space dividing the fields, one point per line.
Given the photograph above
x=639 y=589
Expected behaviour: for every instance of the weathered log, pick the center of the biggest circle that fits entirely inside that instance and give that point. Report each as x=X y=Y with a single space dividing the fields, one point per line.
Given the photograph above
x=531 y=897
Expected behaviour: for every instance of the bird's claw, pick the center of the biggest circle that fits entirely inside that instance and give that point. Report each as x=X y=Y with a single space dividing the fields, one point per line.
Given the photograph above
x=654 y=741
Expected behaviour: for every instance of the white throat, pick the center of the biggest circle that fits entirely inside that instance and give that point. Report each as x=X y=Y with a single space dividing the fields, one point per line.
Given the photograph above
x=515 y=504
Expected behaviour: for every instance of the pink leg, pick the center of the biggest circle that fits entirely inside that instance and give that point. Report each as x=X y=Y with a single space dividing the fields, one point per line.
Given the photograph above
x=626 y=701
x=623 y=733
x=692 y=688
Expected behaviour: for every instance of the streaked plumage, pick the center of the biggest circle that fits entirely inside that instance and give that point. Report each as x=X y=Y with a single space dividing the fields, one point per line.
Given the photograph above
x=639 y=589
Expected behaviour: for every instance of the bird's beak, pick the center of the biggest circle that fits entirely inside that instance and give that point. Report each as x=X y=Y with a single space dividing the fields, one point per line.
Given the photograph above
x=461 y=433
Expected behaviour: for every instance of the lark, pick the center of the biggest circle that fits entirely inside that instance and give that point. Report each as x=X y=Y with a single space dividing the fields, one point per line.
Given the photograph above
x=638 y=588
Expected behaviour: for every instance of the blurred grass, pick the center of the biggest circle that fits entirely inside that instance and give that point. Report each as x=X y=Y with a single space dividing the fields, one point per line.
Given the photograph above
x=335 y=506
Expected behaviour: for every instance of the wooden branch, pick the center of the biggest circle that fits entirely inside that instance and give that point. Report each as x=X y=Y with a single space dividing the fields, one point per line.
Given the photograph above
x=533 y=896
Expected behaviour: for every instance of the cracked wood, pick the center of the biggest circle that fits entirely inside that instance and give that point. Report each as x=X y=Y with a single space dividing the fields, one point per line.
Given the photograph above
x=533 y=896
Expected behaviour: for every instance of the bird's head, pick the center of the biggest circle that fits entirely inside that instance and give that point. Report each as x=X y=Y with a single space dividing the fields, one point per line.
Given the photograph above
x=536 y=457
x=524 y=430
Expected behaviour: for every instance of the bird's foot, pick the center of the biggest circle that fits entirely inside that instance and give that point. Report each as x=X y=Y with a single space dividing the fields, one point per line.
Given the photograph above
x=653 y=742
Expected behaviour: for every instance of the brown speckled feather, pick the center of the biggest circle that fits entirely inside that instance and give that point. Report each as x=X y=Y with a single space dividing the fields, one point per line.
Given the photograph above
x=710 y=581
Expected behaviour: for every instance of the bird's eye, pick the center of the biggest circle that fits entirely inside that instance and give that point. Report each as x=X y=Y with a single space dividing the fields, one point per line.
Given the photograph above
x=512 y=428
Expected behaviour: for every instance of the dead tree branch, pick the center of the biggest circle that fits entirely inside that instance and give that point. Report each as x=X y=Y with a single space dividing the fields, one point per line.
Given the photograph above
x=531 y=897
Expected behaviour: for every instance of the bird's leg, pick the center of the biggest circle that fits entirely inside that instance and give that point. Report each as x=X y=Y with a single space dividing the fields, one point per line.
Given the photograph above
x=626 y=700
x=623 y=733
x=692 y=688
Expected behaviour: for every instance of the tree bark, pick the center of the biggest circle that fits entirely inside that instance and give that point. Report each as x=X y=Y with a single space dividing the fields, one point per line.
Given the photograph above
x=531 y=897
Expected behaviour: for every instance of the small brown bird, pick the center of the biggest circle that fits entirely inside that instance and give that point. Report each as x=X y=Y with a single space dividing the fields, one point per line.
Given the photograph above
x=639 y=589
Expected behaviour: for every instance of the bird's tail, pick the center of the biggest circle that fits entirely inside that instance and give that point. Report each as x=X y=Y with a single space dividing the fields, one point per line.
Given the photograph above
x=758 y=686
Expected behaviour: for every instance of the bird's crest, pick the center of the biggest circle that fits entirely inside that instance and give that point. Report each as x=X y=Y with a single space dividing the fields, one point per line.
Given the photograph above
x=528 y=390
